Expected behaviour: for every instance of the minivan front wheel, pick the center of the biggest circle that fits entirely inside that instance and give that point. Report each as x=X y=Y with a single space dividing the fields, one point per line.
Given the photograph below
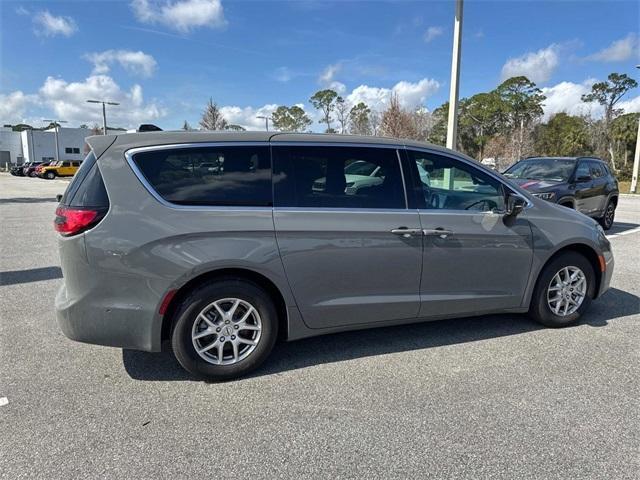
x=224 y=330
x=564 y=290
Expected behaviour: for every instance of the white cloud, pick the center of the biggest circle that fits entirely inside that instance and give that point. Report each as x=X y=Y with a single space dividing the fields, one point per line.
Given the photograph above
x=50 y=25
x=410 y=95
x=329 y=73
x=247 y=116
x=630 y=106
x=536 y=66
x=620 y=50
x=566 y=97
x=22 y=11
x=68 y=101
x=138 y=62
x=432 y=32
x=327 y=78
x=14 y=106
x=181 y=15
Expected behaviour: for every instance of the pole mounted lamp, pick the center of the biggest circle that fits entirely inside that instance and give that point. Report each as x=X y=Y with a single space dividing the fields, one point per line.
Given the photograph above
x=104 y=112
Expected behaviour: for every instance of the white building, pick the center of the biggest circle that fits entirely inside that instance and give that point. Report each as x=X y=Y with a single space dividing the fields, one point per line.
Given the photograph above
x=10 y=147
x=40 y=146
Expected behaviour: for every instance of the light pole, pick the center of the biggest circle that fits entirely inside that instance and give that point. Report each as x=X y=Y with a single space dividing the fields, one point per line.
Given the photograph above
x=452 y=123
x=104 y=112
x=636 y=160
x=266 y=120
x=56 y=123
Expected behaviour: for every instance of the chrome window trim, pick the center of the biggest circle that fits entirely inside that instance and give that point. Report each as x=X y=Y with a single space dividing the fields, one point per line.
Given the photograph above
x=336 y=144
x=345 y=210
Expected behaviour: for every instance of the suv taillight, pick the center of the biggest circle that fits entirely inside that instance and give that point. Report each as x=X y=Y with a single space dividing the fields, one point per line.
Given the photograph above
x=72 y=221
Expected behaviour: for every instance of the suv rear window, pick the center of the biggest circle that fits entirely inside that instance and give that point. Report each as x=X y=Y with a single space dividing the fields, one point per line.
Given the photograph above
x=227 y=176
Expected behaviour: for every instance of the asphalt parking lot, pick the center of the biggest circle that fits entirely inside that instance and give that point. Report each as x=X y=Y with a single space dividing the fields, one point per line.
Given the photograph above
x=489 y=397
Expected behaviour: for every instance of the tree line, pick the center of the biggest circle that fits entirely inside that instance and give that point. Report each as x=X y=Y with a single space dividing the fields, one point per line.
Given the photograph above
x=505 y=124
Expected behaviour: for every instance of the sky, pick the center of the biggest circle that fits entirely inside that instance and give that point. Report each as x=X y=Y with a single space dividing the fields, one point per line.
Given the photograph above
x=163 y=59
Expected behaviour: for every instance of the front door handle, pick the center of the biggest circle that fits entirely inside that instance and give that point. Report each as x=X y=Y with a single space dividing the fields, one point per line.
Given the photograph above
x=406 y=232
x=437 y=232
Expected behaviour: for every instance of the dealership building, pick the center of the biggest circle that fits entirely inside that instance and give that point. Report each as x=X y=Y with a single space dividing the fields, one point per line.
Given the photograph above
x=17 y=148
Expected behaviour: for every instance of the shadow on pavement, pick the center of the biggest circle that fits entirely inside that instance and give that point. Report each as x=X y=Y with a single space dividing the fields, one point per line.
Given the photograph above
x=32 y=275
x=27 y=200
x=619 y=227
x=350 y=345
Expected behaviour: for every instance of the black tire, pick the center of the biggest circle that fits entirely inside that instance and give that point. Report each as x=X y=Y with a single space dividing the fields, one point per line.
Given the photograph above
x=49 y=175
x=567 y=205
x=609 y=215
x=187 y=314
x=540 y=310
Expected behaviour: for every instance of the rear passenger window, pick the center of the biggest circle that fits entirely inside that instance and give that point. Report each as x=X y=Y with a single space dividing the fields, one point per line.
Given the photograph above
x=596 y=170
x=227 y=176
x=337 y=177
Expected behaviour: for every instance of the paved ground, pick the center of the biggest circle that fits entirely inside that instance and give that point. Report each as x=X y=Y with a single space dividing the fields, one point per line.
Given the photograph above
x=491 y=397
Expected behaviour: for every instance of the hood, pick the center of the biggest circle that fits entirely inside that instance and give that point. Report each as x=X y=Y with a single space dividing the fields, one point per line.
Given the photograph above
x=535 y=185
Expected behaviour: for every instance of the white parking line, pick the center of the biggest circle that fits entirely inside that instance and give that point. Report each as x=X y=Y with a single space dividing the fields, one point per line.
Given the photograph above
x=627 y=232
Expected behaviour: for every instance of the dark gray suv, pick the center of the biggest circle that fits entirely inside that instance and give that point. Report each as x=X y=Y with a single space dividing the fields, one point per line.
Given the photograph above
x=583 y=183
x=221 y=243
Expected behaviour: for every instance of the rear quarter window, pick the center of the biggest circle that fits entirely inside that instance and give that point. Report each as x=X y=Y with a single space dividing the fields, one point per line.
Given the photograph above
x=82 y=172
x=218 y=176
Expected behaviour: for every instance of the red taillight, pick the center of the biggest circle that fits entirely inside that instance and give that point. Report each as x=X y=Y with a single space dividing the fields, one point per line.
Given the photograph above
x=71 y=221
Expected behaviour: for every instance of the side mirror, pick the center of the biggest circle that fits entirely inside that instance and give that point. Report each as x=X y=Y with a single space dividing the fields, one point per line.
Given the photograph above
x=58 y=197
x=515 y=205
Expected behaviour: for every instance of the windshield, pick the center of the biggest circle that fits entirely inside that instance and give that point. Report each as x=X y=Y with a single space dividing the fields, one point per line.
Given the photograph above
x=542 y=169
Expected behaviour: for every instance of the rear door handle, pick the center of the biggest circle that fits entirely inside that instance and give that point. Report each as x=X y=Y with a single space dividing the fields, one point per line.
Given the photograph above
x=437 y=232
x=406 y=232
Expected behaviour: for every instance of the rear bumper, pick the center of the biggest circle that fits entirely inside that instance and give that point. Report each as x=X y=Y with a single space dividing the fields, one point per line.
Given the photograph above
x=90 y=321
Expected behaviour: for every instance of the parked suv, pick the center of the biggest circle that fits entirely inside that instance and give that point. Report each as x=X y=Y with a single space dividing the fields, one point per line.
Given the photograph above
x=62 y=168
x=34 y=168
x=583 y=183
x=220 y=265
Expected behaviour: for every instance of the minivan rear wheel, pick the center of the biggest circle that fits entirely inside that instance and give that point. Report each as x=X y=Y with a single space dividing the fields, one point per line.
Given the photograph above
x=224 y=330
x=564 y=290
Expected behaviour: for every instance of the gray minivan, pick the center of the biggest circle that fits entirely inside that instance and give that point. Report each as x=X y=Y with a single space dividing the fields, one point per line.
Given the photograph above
x=278 y=237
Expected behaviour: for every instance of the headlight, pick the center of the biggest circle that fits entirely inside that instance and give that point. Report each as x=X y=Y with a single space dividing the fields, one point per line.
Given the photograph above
x=545 y=195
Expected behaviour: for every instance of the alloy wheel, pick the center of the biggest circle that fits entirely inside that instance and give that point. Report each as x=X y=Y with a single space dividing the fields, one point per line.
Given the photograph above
x=567 y=290
x=226 y=331
x=609 y=214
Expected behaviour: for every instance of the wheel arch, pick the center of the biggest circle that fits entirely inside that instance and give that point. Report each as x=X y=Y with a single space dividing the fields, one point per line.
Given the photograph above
x=583 y=249
x=211 y=276
x=567 y=200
